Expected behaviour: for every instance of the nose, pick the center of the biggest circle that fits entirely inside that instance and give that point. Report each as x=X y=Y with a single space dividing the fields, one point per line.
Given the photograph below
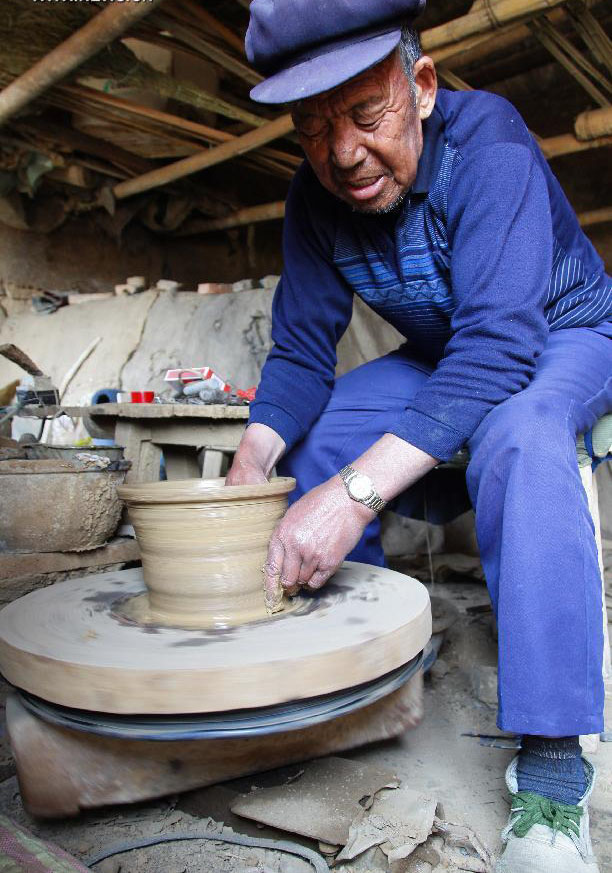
x=345 y=147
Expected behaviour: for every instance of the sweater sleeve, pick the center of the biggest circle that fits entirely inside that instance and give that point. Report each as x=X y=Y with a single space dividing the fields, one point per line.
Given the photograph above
x=500 y=238
x=311 y=310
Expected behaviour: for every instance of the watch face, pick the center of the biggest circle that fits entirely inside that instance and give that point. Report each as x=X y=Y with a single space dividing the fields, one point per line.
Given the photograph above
x=360 y=487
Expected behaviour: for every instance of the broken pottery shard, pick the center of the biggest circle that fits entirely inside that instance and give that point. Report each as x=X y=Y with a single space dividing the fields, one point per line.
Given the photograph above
x=321 y=804
x=398 y=821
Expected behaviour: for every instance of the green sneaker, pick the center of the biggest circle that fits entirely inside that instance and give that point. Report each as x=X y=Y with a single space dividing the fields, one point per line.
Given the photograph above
x=544 y=836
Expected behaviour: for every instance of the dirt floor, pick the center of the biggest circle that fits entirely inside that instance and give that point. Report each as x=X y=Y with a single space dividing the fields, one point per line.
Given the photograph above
x=465 y=777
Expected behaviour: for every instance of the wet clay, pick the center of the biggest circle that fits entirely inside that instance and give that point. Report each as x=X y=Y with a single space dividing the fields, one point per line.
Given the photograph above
x=203 y=546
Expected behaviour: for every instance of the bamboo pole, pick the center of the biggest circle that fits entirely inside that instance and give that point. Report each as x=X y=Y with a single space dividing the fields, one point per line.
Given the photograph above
x=483 y=17
x=99 y=31
x=593 y=124
x=178 y=170
x=248 y=215
x=567 y=144
x=595 y=216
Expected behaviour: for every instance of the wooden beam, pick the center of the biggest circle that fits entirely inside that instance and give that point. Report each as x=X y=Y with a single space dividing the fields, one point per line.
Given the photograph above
x=248 y=215
x=595 y=216
x=593 y=124
x=100 y=30
x=178 y=170
x=482 y=18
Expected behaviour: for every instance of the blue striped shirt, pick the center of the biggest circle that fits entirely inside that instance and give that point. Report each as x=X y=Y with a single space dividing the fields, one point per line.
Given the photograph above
x=482 y=259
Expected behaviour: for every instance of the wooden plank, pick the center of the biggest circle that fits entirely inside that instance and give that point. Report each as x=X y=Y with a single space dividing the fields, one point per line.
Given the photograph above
x=143 y=411
x=181 y=463
x=222 y=436
x=16 y=566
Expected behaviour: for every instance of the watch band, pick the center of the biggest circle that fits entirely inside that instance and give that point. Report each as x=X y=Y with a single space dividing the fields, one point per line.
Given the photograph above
x=373 y=501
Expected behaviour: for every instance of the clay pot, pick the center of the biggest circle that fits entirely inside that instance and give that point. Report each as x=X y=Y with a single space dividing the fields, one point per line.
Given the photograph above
x=58 y=505
x=203 y=546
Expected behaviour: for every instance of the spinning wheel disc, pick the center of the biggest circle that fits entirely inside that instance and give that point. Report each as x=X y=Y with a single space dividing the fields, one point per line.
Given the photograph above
x=67 y=644
x=226 y=725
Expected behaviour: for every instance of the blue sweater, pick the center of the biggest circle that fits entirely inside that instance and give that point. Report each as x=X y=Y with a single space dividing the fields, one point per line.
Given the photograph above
x=482 y=259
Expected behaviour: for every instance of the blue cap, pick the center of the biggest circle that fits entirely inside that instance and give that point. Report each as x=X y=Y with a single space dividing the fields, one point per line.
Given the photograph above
x=306 y=47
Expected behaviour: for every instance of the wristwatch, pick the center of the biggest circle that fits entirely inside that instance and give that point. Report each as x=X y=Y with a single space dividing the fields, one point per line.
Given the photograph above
x=361 y=489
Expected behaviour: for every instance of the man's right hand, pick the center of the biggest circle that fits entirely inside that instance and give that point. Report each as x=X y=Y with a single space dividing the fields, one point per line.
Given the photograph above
x=259 y=450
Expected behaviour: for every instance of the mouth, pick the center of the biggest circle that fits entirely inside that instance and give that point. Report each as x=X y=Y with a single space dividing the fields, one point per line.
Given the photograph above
x=364 y=189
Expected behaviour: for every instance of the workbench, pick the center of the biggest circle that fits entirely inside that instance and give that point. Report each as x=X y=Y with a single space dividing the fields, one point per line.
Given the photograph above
x=147 y=430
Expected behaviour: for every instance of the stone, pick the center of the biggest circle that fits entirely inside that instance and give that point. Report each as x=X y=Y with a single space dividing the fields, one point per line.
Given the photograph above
x=484 y=683
x=138 y=283
x=269 y=282
x=243 y=285
x=168 y=285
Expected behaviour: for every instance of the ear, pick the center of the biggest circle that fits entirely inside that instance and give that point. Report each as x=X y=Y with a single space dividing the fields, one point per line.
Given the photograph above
x=426 y=86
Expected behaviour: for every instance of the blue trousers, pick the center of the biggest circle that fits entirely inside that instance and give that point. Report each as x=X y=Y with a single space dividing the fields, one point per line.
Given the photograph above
x=534 y=529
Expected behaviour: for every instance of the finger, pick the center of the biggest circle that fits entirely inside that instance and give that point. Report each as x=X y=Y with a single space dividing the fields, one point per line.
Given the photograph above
x=292 y=563
x=308 y=568
x=319 y=578
x=272 y=570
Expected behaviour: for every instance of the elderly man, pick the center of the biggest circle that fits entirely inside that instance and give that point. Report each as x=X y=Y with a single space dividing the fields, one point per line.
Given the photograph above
x=439 y=210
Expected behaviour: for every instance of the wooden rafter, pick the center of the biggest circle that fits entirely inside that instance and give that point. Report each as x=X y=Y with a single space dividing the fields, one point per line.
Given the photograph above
x=178 y=170
x=571 y=59
x=591 y=32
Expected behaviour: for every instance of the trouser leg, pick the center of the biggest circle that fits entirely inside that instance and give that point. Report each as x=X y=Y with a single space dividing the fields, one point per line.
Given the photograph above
x=363 y=405
x=537 y=540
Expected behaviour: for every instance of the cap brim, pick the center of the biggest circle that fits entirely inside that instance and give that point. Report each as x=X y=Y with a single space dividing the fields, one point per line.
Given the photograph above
x=326 y=67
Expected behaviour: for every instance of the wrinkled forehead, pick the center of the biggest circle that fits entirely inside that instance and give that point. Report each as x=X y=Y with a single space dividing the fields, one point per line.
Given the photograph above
x=375 y=84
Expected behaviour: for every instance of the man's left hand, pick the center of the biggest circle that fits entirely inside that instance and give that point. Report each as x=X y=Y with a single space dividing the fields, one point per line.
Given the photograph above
x=314 y=537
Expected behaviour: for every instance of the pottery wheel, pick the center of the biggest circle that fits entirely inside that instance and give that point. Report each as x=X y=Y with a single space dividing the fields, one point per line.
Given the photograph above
x=68 y=644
